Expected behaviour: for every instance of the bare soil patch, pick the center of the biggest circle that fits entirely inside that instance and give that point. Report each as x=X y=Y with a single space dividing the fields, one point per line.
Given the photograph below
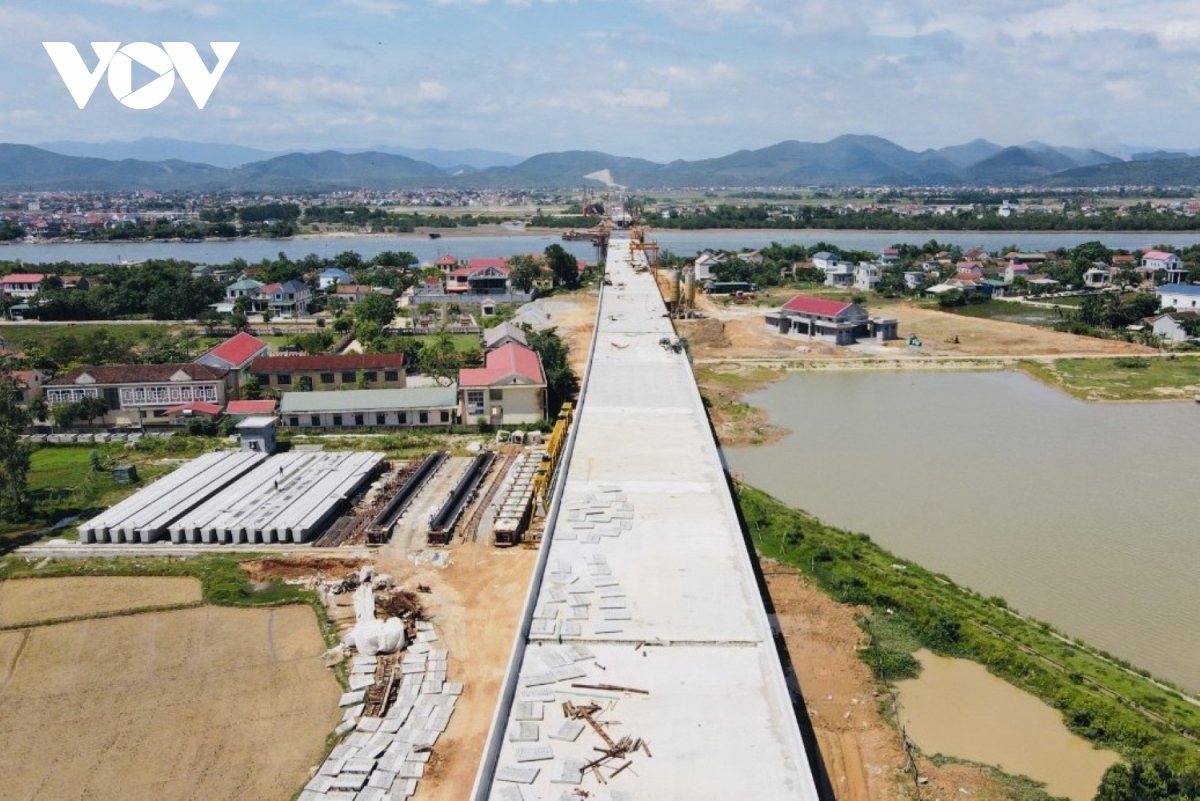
x=863 y=753
x=192 y=704
x=273 y=569
x=29 y=601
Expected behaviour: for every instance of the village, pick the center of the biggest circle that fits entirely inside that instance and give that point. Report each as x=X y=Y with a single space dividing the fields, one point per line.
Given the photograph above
x=404 y=490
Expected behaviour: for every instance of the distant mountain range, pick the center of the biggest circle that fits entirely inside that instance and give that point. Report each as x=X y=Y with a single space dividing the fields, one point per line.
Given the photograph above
x=169 y=164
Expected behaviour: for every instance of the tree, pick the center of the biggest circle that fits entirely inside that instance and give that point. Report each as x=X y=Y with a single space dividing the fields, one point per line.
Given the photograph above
x=92 y=407
x=561 y=382
x=238 y=320
x=266 y=316
x=440 y=359
x=563 y=265
x=15 y=503
x=252 y=389
x=375 y=309
x=64 y=414
x=524 y=270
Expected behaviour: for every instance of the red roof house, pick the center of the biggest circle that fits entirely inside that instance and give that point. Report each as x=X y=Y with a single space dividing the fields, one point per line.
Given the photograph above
x=509 y=389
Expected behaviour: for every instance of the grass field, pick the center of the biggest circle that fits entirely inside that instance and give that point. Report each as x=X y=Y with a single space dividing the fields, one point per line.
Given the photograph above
x=1106 y=379
x=20 y=336
x=1005 y=311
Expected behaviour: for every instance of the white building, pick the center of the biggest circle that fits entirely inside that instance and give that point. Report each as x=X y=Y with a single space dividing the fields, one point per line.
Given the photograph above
x=866 y=276
x=1181 y=297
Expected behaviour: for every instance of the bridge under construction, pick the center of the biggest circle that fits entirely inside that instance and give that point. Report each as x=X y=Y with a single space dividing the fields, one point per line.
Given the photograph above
x=645 y=666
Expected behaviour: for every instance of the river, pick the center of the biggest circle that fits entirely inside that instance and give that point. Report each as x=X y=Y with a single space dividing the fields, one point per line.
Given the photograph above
x=679 y=242
x=1076 y=513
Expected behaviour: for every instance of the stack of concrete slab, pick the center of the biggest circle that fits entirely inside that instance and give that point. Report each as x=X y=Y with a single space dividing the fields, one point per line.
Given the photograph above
x=383 y=758
x=146 y=515
x=290 y=498
x=515 y=496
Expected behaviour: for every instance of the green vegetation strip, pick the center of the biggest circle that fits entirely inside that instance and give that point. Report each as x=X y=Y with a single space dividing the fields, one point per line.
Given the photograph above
x=1121 y=378
x=1101 y=697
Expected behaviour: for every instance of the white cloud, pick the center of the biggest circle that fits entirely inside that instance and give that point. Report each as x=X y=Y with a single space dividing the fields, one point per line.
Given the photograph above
x=203 y=9
x=633 y=98
x=382 y=7
x=431 y=91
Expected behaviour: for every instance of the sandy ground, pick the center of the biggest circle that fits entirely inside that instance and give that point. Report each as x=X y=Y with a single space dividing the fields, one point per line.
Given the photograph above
x=37 y=600
x=574 y=316
x=737 y=332
x=192 y=704
x=475 y=603
x=862 y=752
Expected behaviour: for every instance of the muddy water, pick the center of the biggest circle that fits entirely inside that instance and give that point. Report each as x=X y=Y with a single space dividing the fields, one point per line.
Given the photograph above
x=957 y=708
x=1079 y=514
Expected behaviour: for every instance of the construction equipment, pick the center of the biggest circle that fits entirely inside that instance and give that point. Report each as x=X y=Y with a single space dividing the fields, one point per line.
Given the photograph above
x=543 y=479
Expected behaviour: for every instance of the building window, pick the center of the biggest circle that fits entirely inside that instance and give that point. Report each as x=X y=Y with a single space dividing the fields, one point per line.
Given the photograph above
x=294 y=421
x=391 y=375
x=475 y=401
x=496 y=394
x=349 y=377
x=380 y=419
x=370 y=376
x=263 y=380
x=326 y=378
x=423 y=417
x=359 y=420
x=315 y=420
x=284 y=379
x=112 y=397
x=445 y=417
x=402 y=418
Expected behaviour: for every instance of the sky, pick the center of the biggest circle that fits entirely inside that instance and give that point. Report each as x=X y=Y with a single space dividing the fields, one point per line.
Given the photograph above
x=657 y=79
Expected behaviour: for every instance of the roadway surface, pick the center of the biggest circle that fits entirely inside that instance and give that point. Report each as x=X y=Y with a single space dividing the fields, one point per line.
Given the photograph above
x=644 y=582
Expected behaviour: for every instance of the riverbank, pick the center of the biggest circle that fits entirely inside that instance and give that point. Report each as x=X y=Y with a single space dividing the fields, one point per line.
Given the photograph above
x=1106 y=701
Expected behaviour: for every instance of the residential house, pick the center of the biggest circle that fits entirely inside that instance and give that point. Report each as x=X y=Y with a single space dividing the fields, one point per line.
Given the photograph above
x=76 y=282
x=705 y=263
x=235 y=354
x=333 y=276
x=445 y=263
x=824 y=260
x=28 y=384
x=1097 y=277
x=328 y=371
x=866 y=276
x=509 y=389
x=21 y=285
x=829 y=321
x=889 y=256
x=913 y=278
x=1014 y=270
x=479 y=279
x=287 y=299
x=1155 y=260
x=371 y=408
x=245 y=288
x=1181 y=297
x=141 y=394
x=1172 y=326
x=353 y=293
x=503 y=334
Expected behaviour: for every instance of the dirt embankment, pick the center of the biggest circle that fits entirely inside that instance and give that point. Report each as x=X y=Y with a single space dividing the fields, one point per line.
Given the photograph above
x=862 y=751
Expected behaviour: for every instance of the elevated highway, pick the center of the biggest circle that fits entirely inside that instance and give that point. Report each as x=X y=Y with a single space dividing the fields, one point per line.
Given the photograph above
x=644 y=600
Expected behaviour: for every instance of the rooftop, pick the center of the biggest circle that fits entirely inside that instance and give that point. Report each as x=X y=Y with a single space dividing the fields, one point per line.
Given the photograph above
x=369 y=400
x=237 y=350
x=341 y=361
x=139 y=374
x=508 y=364
x=807 y=304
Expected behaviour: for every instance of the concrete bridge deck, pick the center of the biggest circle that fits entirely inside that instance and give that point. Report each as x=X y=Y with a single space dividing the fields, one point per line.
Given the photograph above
x=644 y=582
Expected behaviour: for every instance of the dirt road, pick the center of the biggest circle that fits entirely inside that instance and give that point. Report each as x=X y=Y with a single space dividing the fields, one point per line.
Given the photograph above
x=475 y=603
